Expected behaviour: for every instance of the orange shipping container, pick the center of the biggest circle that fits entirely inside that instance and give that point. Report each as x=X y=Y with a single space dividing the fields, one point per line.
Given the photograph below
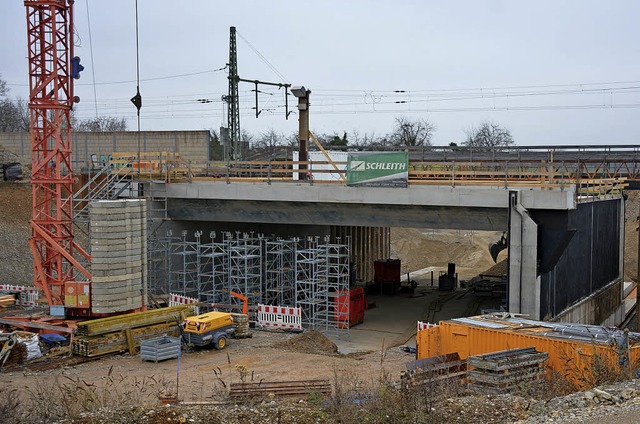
x=573 y=348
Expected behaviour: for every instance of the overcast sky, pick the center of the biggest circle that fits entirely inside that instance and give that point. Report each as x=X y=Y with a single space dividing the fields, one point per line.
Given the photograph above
x=553 y=72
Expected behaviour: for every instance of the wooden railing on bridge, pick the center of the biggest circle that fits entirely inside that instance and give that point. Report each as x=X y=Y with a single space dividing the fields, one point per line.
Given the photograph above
x=590 y=179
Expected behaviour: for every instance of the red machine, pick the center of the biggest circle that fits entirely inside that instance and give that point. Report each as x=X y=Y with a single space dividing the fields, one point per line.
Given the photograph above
x=52 y=67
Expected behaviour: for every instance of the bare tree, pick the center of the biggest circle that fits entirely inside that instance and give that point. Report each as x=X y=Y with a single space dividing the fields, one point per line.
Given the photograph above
x=100 y=124
x=409 y=132
x=3 y=87
x=14 y=113
x=364 y=139
x=268 y=142
x=269 y=139
x=488 y=135
x=291 y=139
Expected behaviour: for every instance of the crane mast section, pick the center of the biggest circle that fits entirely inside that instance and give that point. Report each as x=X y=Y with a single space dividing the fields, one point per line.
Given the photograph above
x=50 y=45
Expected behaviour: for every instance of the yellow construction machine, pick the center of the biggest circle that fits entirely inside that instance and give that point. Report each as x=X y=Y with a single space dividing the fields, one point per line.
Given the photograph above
x=212 y=328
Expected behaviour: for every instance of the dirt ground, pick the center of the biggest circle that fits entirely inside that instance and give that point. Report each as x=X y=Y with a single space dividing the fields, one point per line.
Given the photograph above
x=204 y=373
x=372 y=350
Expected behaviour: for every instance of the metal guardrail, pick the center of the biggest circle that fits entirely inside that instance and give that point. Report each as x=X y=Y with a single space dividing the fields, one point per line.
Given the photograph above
x=590 y=178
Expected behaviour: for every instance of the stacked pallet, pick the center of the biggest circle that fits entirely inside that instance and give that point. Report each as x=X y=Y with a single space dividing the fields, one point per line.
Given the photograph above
x=118 y=255
x=433 y=369
x=506 y=370
x=125 y=332
x=300 y=389
x=7 y=300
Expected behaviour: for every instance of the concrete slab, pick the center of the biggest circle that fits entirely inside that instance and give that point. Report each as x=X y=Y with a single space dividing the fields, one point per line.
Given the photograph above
x=393 y=322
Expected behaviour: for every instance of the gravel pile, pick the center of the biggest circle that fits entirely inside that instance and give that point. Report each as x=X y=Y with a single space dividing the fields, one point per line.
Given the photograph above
x=16 y=261
x=7 y=157
x=604 y=402
x=267 y=413
x=311 y=341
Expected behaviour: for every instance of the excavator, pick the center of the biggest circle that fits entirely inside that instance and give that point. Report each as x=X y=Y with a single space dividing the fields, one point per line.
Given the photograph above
x=496 y=247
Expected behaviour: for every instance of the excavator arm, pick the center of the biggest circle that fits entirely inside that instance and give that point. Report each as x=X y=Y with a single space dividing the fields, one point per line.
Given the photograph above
x=245 y=306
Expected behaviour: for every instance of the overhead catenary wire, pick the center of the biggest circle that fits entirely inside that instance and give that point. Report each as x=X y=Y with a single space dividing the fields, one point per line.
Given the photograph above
x=264 y=59
x=203 y=115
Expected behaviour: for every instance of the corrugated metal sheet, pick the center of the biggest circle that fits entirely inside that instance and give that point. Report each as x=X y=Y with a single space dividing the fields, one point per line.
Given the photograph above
x=487 y=324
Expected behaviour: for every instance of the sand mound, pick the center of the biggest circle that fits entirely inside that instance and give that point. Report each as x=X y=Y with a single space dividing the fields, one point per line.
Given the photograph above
x=418 y=249
x=311 y=341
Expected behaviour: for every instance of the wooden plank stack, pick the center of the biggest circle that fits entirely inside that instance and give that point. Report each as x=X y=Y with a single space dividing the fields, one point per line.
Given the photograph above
x=125 y=332
x=299 y=389
x=433 y=369
x=7 y=300
x=506 y=370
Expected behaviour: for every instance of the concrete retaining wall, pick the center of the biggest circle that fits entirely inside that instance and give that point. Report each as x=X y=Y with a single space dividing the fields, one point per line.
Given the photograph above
x=190 y=145
x=598 y=308
x=591 y=261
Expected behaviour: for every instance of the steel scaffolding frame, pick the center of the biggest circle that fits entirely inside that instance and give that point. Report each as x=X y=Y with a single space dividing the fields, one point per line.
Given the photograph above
x=337 y=279
x=308 y=274
x=183 y=262
x=245 y=268
x=280 y=272
x=213 y=275
x=158 y=266
x=311 y=287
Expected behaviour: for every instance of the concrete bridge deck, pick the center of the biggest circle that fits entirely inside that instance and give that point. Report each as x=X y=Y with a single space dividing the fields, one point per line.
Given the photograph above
x=464 y=207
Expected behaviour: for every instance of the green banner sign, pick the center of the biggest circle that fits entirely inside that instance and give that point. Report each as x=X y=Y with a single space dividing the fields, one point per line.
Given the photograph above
x=378 y=169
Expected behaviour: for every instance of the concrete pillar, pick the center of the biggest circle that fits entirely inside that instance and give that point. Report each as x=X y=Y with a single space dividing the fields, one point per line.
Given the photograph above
x=524 y=284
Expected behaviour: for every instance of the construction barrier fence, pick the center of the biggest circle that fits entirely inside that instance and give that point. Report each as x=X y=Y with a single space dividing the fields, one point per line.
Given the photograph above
x=177 y=300
x=28 y=295
x=279 y=317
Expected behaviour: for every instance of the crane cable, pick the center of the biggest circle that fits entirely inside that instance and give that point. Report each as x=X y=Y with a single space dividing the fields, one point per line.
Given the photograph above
x=137 y=99
x=93 y=68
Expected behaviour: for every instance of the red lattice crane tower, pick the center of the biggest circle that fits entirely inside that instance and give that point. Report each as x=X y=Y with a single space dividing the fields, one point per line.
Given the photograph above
x=51 y=68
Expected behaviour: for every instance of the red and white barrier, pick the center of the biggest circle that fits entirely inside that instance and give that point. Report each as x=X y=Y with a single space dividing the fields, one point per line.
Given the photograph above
x=424 y=325
x=279 y=317
x=28 y=295
x=176 y=300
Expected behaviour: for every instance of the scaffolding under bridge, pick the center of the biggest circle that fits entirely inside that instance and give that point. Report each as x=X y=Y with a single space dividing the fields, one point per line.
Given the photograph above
x=311 y=273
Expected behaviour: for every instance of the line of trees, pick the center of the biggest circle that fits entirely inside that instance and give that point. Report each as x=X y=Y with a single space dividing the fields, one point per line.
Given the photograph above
x=14 y=116
x=406 y=133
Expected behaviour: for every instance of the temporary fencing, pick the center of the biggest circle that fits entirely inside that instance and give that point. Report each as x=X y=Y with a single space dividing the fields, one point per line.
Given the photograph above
x=279 y=317
x=176 y=300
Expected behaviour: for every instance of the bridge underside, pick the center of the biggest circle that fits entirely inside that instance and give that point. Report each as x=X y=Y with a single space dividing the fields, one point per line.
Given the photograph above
x=560 y=250
x=366 y=215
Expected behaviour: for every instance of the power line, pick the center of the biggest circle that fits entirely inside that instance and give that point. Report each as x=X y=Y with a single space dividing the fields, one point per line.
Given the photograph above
x=191 y=115
x=439 y=90
x=143 y=79
x=264 y=59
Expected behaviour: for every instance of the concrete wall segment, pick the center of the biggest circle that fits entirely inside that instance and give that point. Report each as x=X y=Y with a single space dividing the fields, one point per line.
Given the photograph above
x=463 y=196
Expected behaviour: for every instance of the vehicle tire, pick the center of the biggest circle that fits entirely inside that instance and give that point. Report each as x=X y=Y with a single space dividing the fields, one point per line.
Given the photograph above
x=221 y=343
